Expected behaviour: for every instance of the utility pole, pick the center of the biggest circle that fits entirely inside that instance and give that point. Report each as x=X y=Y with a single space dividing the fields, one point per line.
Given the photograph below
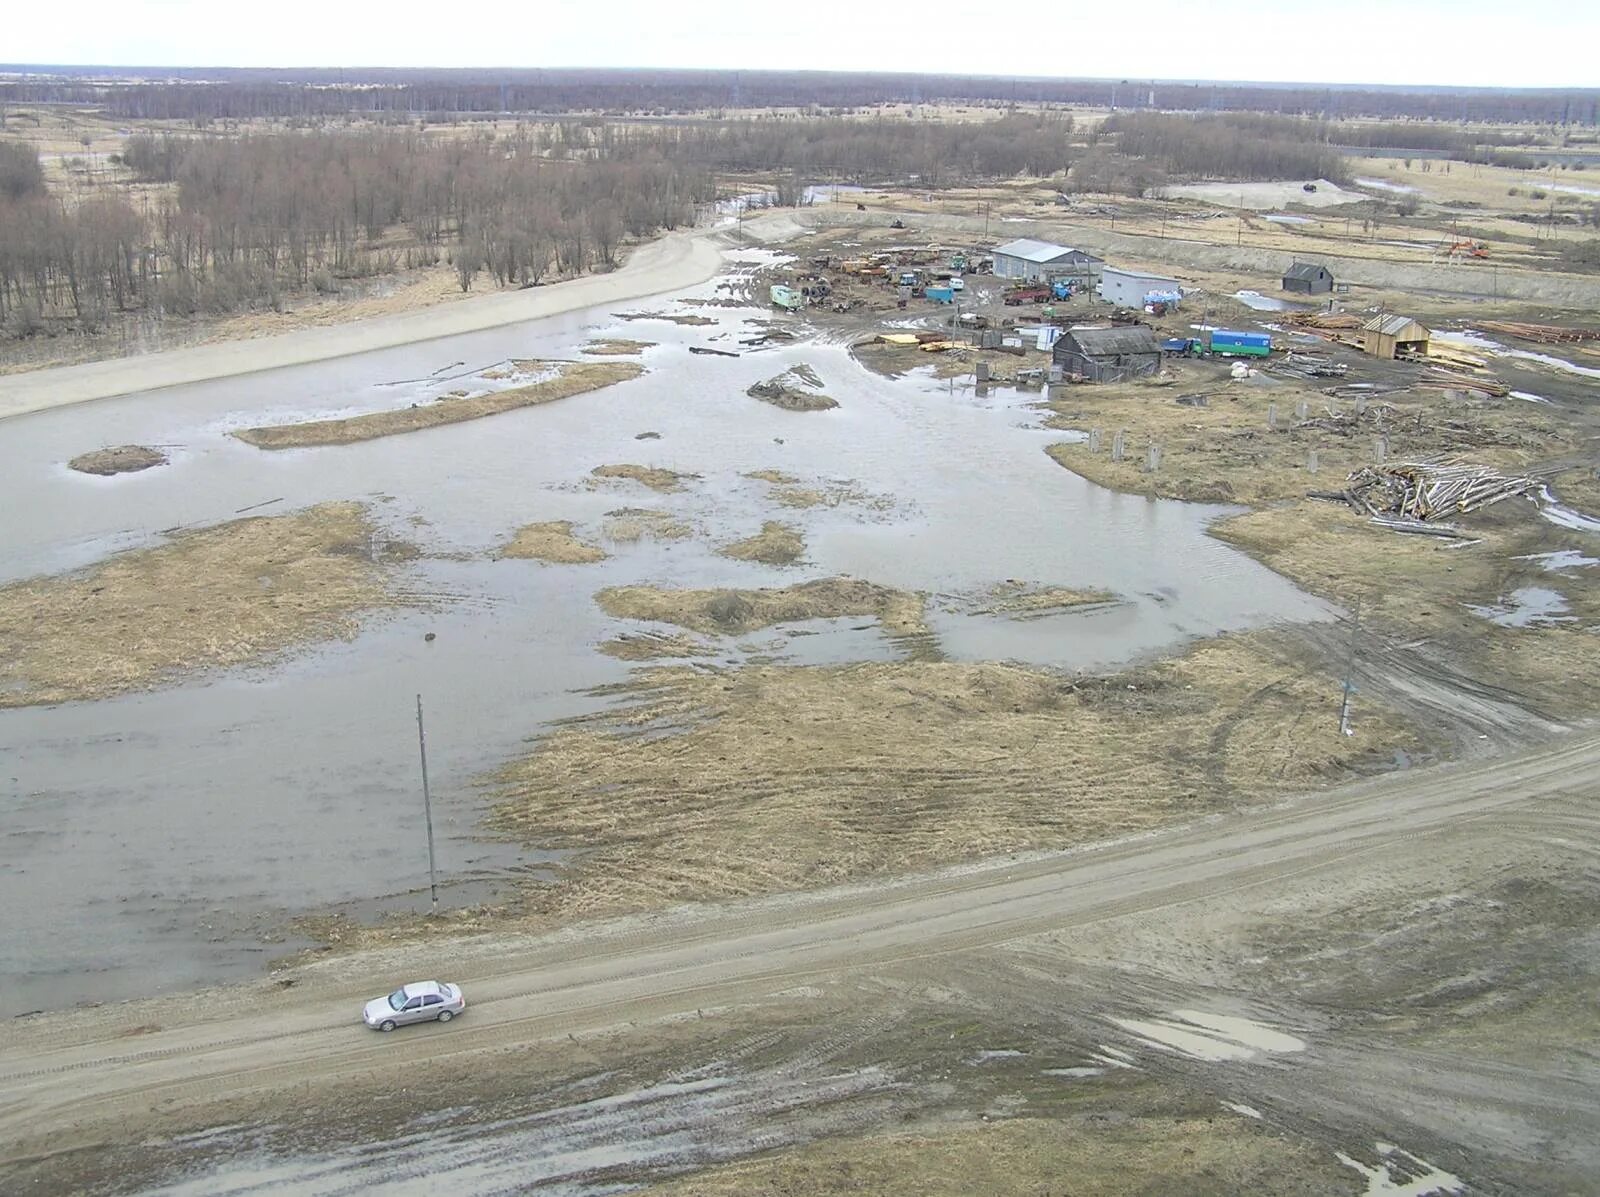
x=427 y=809
x=1349 y=669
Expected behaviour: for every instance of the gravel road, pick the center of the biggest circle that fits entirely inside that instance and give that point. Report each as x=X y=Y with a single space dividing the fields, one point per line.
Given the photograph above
x=91 y=1076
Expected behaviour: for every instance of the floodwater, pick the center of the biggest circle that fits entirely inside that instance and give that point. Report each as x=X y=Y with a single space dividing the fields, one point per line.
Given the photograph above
x=1267 y=303
x=161 y=840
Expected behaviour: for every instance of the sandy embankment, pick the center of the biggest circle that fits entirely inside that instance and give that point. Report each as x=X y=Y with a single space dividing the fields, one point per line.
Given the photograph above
x=679 y=259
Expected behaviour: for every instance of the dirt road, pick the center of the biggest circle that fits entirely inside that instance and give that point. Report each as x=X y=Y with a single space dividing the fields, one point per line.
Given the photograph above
x=677 y=260
x=91 y=1076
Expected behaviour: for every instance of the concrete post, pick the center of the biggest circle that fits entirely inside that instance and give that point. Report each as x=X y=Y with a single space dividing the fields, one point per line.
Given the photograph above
x=983 y=371
x=1094 y=440
x=1311 y=461
x=1152 y=458
x=1117 y=445
x=1380 y=449
x=1272 y=417
x=1302 y=410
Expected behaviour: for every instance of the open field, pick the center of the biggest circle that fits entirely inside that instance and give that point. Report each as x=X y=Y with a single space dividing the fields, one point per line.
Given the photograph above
x=778 y=778
x=566 y=380
x=232 y=594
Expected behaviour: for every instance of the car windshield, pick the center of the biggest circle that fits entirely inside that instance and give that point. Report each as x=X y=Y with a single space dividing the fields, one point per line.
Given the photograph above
x=397 y=999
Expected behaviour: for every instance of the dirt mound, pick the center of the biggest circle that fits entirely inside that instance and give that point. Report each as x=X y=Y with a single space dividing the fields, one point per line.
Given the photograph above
x=778 y=392
x=776 y=477
x=656 y=478
x=123 y=459
x=552 y=542
x=733 y=612
x=225 y=595
x=775 y=544
x=568 y=379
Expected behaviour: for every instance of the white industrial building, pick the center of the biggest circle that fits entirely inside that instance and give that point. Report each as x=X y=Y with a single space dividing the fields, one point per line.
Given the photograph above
x=1133 y=288
x=1039 y=261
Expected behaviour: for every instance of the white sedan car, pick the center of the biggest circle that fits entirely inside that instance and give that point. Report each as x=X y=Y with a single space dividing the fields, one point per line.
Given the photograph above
x=421 y=1001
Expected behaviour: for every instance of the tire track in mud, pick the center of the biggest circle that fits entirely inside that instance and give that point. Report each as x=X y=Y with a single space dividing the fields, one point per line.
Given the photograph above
x=589 y=987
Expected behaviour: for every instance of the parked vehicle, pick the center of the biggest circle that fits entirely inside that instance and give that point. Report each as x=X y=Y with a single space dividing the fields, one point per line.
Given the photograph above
x=1022 y=295
x=420 y=1001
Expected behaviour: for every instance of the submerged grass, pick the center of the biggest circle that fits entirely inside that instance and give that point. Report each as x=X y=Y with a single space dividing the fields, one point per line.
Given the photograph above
x=568 y=379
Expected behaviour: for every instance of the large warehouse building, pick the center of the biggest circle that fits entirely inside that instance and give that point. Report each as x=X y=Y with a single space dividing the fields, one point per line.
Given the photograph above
x=1037 y=261
x=1133 y=288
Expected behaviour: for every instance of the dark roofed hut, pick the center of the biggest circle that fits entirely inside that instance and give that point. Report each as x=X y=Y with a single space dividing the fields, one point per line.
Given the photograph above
x=1108 y=354
x=1308 y=278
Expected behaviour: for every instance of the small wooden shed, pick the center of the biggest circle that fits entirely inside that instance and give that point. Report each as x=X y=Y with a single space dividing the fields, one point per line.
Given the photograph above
x=1395 y=336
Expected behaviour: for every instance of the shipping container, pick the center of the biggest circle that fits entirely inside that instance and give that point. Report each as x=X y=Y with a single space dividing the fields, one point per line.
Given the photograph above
x=1226 y=343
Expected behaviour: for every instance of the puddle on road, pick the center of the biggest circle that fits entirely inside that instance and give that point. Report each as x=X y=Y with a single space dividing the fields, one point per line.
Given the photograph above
x=1561 y=560
x=293 y=787
x=1211 y=1037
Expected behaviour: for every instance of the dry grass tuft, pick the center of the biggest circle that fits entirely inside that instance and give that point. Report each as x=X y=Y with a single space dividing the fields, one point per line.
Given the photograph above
x=651 y=646
x=225 y=595
x=617 y=347
x=775 y=544
x=656 y=478
x=629 y=525
x=123 y=459
x=569 y=378
x=553 y=542
x=734 y=612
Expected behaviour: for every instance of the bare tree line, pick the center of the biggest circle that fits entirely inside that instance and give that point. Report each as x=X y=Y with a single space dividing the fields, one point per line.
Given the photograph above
x=247 y=221
x=224 y=93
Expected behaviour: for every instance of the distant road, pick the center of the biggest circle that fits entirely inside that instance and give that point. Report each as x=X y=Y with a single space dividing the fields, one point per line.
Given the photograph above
x=679 y=259
x=79 y=1077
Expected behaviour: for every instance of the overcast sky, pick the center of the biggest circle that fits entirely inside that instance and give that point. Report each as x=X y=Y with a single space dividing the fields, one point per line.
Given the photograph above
x=1485 y=43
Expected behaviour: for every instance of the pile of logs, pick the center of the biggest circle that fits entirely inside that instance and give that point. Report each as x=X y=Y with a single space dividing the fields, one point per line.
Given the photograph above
x=1310 y=365
x=1546 y=334
x=1325 y=320
x=1429 y=491
x=1437 y=378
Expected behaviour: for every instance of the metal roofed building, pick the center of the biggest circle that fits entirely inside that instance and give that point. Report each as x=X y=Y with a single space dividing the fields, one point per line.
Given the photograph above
x=1033 y=261
x=1393 y=336
x=1108 y=354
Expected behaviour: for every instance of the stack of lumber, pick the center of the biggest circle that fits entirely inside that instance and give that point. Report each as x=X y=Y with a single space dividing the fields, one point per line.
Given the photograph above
x=1323 y=320
x=1430 y=491
x=1548 y=334
x=1437 y=378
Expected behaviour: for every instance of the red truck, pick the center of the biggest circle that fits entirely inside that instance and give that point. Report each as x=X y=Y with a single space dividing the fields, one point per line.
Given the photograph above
x=1022 y=295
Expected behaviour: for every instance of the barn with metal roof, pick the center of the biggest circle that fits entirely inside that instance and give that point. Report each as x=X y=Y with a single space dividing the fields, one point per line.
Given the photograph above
x=1034 y=261
x=1108 y=354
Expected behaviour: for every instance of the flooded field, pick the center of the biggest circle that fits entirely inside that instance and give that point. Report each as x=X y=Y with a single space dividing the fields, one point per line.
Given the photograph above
x=160 y=840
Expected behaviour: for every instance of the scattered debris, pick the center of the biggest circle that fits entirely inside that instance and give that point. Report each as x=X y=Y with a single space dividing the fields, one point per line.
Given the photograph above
x=1429 y=491
x=702 y=349
x=779 y=393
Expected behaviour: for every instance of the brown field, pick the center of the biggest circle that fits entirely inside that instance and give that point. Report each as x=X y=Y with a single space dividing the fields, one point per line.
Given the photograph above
x=734 y=612
x=775 y=544
x=231 y=594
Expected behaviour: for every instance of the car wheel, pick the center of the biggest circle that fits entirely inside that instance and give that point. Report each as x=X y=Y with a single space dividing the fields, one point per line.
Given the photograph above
x=386 y=1025
x=445 y=1016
